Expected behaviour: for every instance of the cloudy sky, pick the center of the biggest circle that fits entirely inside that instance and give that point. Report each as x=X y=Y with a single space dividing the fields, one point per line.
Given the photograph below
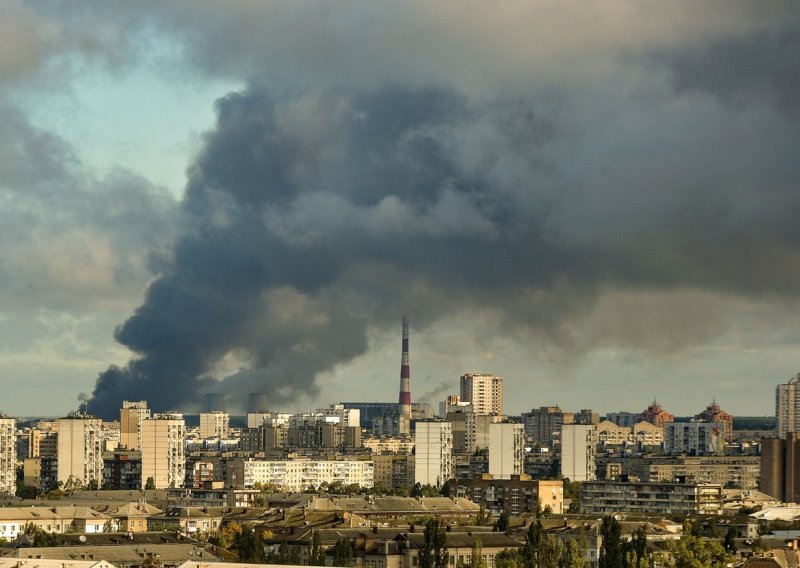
x=596 y=200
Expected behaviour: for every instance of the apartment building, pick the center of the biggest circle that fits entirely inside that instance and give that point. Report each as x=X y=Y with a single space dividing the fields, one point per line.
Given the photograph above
x=604 y=497
x=787 y=406
x=695 y=438
x=215 y=424
x=131 y=416
x=299 y=474
x=515 y=496
x=163 y=455
x=433 y=464
x=484 y=392
x=506 y=450
x=543 y=425
x=80 y=449
x=8 y=455
x=578 y=443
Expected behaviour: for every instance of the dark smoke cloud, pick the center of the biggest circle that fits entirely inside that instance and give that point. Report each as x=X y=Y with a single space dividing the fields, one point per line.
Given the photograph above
x=309 y=218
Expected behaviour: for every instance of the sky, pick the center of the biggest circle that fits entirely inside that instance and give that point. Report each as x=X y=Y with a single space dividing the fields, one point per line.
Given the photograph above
x=596 y=200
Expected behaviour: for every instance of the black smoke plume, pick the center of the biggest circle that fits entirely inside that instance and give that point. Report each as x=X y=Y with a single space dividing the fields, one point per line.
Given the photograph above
x=309 y=218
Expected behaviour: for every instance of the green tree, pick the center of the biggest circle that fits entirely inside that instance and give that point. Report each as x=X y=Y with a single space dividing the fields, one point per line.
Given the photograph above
x=150 y=483
x=572 y=555
x=342 y=552
x=533 y=544
x=611 y=547
x=696 y=552
x=249 y=546
x=27 y=492
x=40 y=537
x=509 y=558
x=433 y=553
x=730 y=540
x=483 y=517
x=476 y=560
x=502 y=522
x=316 y=553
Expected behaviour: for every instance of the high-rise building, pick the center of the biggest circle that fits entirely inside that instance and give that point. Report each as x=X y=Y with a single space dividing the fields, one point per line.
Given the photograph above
x=787 y=406
x=484 y=392
x=214 y=424
x=131 y=416
x=163 y=457
x=433 y=462
x=506 y=450
x=80 y=449
x=543 y=425
x=8 y=455
x=578 y=442
x=694 y=438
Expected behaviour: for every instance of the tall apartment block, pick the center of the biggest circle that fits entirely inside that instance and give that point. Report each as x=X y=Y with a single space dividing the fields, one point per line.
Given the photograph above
x=8 y=455
x=484 y=392
x=214 y=424
x=80 y=449
x=433 y=462
x=787 y=406
x=130 y=423
x=578 y=442
x=163 y=456
x=543 y=425
x=506 y=450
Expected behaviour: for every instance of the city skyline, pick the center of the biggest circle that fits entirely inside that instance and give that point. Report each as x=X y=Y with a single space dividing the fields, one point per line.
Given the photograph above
x=584 y=201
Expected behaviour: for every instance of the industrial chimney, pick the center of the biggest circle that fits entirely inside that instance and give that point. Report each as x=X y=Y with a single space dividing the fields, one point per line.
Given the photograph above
x=404 y=421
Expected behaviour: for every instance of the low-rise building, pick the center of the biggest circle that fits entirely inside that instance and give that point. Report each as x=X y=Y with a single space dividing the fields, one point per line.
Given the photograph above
x=603 y=497
x=515 y=496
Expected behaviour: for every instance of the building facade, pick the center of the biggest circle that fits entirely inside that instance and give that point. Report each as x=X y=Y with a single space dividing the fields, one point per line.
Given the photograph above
x=484 y=392
x=163 y=454
x=506 y=450
x=80 y=450
x=694 y=438
x=433 y=446
x=8 y=455
x=604 y=497
x=578 y=446
x=299 y=474
x=787 y=406
x=131 y=416
x=214 y=425
x=518 y=495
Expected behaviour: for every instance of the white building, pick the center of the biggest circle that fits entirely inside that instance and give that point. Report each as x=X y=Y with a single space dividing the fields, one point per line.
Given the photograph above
x=163 y=456
x=300 y=474
x=506 y=450
x=433 y=442
x=578 y=451
x=214 y=424
x=131 y=416
x=80 y=449
x=696 y=438
x=346 y=416
x=787 y=406
x=8 y=455
x=485 y=392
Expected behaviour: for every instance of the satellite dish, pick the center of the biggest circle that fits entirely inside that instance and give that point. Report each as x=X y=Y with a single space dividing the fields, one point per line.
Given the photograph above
x=82 y=538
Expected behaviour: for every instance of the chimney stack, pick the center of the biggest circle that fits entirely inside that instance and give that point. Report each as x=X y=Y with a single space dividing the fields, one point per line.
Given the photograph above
x=405 y=385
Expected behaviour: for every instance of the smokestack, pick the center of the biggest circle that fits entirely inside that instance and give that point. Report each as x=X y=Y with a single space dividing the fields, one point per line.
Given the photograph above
x=215 y=401
x=405 y=384
x=257 y=402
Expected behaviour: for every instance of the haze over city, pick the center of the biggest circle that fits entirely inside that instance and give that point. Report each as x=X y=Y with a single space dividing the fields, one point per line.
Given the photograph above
x=599 y=204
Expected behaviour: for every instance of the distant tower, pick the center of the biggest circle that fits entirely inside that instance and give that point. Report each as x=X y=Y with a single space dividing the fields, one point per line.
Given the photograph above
x=405 y=385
